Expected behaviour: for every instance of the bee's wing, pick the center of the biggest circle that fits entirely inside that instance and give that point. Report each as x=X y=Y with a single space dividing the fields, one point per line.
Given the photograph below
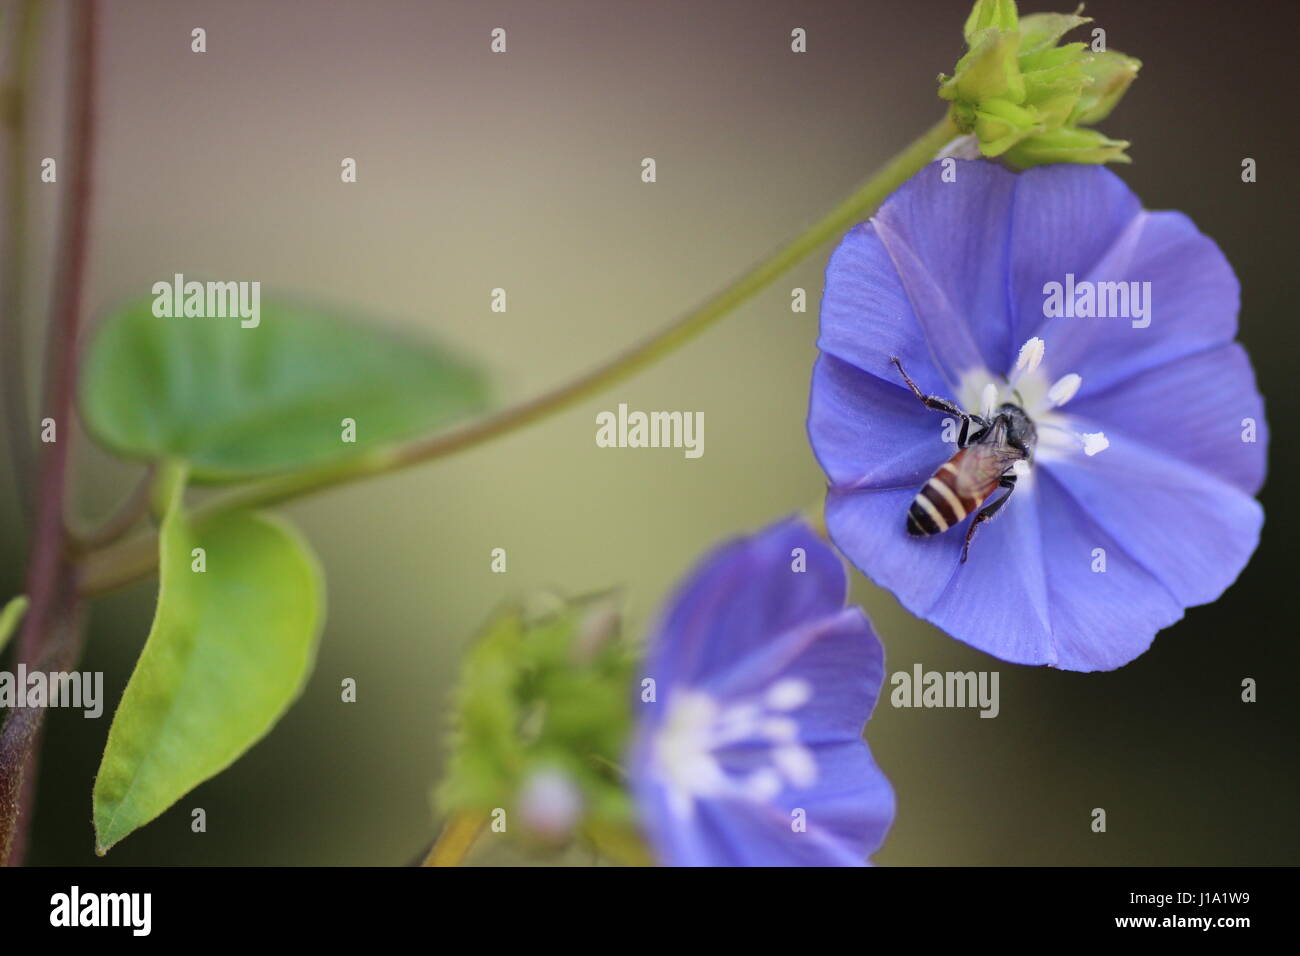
x=978 y=469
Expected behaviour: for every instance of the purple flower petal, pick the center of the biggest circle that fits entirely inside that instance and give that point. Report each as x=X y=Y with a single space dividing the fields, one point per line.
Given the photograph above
x=839 y=659
x=1001 y=593
x=740 y=596
x=1194 y=298
x=868 y=433
x=866 y=317
x=1103 y=614
x=1191 y=530
x=1065 y=219
x=1194 y=410
x=675 y=842
x=935 y=231
x=1028 y=593
x=869 y=529
x=827 y=826
x=996 y=601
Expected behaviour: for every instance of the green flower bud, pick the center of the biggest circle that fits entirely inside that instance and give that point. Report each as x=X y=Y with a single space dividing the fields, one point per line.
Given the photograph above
x=988 y=70
x=1111 y=73
x=1040 y=31
x=991 y=14
x=999 y=125
x=542 y=720
x=1018 y=86
x=1067 y=145
x=551 y=804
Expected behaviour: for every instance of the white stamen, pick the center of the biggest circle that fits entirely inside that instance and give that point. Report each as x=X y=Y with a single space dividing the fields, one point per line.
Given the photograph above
x=797 y=764
x=1021 y=468
x=989 y=400
x=684 y=751
x=1065 y=388
x=1031 y=354
x=1094 y=442
x=699 y=730
x=738 y=722
x=763 y=784
x=789 y=693
x=780 y=730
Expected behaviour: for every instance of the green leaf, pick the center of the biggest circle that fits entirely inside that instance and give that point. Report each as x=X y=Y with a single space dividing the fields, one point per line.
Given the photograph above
x=230 y=648
x=236 y=403
x=9 y=617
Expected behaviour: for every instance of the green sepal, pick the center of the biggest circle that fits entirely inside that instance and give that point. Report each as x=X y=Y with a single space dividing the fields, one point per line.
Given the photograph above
x=1067 y=145
x=990 y=14
x=1110 y=74
x=989 y=70
x=1042 y=30
x=999 y=125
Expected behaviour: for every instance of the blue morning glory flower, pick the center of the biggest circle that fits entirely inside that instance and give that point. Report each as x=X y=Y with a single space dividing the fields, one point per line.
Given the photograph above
x=1111 y=328
x=751 y=753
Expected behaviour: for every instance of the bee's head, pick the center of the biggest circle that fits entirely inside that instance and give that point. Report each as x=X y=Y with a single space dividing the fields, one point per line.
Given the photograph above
x=1020 y=431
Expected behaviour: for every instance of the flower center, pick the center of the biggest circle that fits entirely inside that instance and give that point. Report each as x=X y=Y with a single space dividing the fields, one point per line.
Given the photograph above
x=1027 y=387
x=691 y=747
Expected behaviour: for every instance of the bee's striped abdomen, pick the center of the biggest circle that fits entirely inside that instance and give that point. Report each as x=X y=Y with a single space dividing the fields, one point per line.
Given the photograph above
x=938 y=506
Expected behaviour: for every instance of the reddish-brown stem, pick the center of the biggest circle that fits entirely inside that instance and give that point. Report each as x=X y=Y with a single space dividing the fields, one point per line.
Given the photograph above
x=20 y=738
x=61 y=346
x=13 y=258
x=51 y=602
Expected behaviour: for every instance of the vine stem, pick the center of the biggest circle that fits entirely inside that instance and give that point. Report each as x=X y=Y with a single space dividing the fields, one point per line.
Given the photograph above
x=110 y=568
x=456 y=840
x=127 y=514
x=13 y=269
x=50 y=590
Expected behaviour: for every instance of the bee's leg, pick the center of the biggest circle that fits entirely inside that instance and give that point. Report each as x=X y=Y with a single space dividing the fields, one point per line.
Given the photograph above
x=943 y=405
x=984 y=514
x=965 y=437
x=929 y=401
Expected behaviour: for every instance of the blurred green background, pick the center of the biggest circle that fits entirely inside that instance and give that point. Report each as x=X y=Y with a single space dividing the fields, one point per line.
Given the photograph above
x=523 y=171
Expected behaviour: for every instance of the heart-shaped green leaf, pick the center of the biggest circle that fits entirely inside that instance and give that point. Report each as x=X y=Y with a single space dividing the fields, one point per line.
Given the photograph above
x=235 y=403
x=230 y=648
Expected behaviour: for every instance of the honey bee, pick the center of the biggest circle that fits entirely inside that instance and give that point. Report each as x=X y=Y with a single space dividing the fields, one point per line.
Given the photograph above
x=987 y=452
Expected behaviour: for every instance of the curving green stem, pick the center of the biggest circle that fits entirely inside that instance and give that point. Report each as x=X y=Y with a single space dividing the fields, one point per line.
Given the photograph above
x=10 y=615
x=124 y=562
x=457 y=839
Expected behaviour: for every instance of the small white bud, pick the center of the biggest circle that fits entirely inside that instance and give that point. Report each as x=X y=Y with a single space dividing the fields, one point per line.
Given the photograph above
x=550 y=804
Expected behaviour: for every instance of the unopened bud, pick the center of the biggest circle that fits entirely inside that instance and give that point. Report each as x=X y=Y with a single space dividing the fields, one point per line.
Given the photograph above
x=550 y=805
x=1025 y=95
